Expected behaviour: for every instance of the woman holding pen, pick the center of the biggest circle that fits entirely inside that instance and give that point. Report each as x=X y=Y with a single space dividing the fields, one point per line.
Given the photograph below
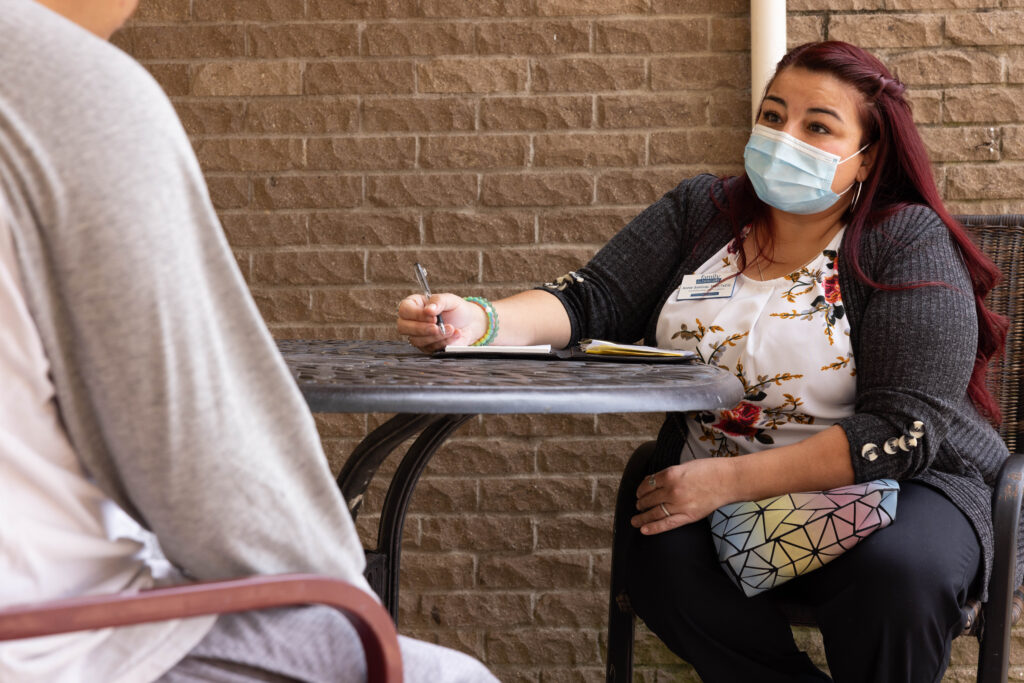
x=849 y=303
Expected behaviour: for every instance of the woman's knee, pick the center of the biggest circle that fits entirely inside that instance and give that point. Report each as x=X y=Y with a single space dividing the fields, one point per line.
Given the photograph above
x=675 y=567
x=930 y=550
x=672 y=552
x=916 y=572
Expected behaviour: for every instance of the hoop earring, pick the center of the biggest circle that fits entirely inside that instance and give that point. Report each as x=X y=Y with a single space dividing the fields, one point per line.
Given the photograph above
x=856 y=196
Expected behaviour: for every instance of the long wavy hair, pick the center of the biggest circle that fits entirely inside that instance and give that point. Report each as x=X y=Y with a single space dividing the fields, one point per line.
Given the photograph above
x=901 y=176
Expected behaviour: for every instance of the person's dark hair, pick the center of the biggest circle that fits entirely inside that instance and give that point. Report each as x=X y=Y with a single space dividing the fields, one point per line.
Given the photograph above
x=901 y=175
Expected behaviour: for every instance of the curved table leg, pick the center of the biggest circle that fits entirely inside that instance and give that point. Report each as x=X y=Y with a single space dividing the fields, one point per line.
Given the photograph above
x=392 y=517
x=362 y=465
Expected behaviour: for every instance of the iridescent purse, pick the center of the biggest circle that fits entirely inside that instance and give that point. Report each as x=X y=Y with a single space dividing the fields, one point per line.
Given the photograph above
x=764 y=543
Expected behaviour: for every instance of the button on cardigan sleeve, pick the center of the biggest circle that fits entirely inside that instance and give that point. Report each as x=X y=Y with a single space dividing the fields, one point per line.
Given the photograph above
x=914 y=348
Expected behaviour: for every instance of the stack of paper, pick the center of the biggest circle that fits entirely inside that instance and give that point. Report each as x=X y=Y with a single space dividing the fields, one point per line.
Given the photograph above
x=600 y=346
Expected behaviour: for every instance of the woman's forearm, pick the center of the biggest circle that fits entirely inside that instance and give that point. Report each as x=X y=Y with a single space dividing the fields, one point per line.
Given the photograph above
x=532 y=317
x=693 y=490
x=817 y=463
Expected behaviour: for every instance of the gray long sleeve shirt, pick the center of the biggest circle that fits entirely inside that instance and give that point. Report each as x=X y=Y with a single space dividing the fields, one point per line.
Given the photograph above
x=170 y=387
x=914 y=348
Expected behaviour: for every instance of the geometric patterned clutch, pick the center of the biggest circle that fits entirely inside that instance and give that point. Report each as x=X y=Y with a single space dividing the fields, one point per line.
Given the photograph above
x=764 y=543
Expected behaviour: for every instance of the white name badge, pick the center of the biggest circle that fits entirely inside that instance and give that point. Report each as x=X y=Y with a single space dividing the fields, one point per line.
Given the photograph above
x=706 y=286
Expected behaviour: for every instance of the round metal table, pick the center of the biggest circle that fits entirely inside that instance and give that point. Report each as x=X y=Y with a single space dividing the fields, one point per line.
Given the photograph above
x=433 y=396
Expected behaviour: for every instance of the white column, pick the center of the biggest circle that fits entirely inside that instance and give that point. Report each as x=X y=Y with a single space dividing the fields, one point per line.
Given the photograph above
x=767 y=45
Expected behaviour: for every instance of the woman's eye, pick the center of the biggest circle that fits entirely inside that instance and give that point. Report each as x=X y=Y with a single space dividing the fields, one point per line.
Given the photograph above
x=818 y=128
x=771 y=117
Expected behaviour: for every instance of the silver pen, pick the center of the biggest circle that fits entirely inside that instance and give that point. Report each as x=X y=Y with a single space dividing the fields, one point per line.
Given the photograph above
x=421 y=276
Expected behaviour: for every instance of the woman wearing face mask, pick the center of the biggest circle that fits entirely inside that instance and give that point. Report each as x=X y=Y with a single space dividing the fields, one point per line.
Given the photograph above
x=850 y=306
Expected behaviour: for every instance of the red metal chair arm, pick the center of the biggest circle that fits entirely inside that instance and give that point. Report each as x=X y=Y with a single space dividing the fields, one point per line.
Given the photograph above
x=370 y=619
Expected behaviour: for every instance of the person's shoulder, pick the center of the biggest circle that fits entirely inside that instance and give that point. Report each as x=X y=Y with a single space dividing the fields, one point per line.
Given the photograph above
x=911 y=219
x=82 y=116
x=905 y=238
x=697 y=187
x=54 y=66
x=696 y=194
x=905 y=226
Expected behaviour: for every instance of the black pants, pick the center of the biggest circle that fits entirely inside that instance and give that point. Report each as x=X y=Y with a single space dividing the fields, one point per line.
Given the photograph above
x=888 y=609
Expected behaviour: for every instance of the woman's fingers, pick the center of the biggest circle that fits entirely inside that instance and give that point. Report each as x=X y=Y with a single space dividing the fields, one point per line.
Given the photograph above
x=419 y=308
x=649 y=485
x=661 y=517
x=679 y=495
x=428 y=337
x=656 y=488
x=428 y=346
x=653 y=499
x=654 y=522
x=415 y=308
x=417 y=329
x=417 y=320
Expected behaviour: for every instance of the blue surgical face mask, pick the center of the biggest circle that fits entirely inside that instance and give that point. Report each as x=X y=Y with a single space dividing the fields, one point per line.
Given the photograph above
x=790 y=174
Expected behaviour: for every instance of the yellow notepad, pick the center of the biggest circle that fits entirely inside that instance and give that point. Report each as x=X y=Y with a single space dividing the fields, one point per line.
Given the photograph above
x=599 y=346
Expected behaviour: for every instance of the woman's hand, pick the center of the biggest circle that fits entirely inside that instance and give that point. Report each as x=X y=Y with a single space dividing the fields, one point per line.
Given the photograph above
x=682 y=494
x=694 y=490
x=464 y=321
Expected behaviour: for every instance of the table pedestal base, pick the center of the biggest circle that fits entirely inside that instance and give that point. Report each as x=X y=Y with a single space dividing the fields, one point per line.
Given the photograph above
x=383 y=563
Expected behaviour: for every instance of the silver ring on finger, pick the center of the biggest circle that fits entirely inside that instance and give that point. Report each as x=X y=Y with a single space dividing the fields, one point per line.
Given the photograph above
x=664 y=509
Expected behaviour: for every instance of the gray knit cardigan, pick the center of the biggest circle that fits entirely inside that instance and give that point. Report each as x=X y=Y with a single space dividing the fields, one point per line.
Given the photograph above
x=914 y=348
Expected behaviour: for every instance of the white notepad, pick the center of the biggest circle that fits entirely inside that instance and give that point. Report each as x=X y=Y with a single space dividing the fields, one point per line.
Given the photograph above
x=492 y=349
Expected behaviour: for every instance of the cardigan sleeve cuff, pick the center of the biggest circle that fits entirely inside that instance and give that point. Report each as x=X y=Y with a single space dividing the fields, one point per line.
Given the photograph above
x=886 y=448
x=570 y=308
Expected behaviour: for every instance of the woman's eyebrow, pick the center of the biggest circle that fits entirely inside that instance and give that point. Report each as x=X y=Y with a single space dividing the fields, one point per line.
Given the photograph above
x=813 y=110
x=826 y=110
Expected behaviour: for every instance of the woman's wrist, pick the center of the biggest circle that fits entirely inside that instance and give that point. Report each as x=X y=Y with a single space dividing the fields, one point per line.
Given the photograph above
x=731 y=476
x=490 y=332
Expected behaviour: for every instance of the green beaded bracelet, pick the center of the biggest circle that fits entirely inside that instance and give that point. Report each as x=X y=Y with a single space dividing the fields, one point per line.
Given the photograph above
x=492 y=320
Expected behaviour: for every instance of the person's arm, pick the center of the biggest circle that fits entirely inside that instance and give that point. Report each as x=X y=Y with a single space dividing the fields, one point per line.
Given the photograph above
x=914 y=359
x=611 y=297
x=172 y=391
x=530 y=317
x=693 y=490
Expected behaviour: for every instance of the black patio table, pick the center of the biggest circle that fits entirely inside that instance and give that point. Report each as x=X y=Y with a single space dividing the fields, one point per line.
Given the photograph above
x=433 y=396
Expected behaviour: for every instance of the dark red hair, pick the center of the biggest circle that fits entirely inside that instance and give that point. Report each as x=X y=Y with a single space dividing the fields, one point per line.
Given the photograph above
x=901 y=175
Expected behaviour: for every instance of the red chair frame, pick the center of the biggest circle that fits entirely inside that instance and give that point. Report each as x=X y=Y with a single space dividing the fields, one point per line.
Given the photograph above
x=370 y=619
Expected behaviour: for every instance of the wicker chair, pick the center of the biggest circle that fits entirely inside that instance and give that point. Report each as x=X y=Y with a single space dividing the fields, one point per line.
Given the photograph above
x=370 y=619
x=1002 y=238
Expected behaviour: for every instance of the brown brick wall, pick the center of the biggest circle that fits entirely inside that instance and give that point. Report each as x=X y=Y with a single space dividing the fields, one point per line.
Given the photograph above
x=501 y=142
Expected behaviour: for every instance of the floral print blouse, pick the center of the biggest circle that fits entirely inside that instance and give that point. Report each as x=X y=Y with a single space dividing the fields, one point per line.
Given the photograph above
x=786 y=339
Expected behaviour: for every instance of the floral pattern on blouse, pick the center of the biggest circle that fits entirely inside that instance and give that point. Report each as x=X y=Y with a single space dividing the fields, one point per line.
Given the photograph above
x=786 y=340
x=828 y=304
x=747 y=420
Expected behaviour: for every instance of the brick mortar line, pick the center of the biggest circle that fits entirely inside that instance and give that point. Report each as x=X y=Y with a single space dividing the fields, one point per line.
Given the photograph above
x=542 y=171
x=535 y=172
x=397 y=212
x=468 y=97
x=365 y=22
x=413 y=250
x=434 y=58
x=490 y=211
x=561 y=133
